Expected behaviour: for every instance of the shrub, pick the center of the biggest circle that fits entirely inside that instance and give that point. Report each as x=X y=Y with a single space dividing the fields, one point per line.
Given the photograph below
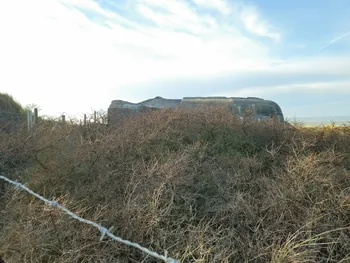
x=12 y=113
x=200 y=183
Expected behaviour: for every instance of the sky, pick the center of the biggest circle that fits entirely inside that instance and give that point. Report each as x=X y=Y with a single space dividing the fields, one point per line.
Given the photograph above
x=75 y=56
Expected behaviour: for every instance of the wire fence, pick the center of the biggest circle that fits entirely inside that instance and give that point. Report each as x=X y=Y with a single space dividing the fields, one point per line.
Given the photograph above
x=28 y=120
x=104 y=231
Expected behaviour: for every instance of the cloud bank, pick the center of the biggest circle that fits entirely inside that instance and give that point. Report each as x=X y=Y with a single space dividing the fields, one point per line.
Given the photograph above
x=78 y=55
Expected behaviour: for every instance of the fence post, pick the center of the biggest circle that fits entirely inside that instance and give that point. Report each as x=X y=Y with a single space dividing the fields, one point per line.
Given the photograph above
x=36 y=116
x=30 y=119
x=95 y=119
x=84 y=119
x=64 y=119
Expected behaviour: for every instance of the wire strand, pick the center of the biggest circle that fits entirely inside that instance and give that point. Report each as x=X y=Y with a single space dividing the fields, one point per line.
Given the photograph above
x=104 y=231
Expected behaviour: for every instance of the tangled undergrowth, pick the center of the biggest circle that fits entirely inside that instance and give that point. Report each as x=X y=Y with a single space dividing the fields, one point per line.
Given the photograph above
x=200 y=184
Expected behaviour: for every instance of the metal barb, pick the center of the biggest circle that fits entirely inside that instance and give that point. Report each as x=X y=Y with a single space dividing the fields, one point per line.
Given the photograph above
x=103 y=230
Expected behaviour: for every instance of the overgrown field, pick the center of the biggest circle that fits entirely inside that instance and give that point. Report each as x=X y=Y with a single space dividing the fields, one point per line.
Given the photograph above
x=200 y=184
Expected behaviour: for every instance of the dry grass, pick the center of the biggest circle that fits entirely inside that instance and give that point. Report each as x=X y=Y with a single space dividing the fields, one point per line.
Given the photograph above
x=200 y=184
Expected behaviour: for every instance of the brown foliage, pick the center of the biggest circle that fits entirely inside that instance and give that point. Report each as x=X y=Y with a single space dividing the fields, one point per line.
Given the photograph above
x=201 y=184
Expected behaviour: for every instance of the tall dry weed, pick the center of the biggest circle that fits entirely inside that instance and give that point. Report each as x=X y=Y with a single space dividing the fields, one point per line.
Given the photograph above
x=201 y=184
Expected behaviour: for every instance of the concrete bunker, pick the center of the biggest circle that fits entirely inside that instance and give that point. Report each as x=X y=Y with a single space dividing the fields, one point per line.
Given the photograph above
x=260 y=108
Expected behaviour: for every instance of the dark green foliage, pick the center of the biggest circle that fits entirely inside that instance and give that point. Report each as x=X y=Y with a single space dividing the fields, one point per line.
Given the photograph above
x=12 y=114
x=9 y=105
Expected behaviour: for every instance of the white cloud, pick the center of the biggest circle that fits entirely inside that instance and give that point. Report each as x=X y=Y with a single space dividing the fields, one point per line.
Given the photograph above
x=89 y=5
x=220 y=5
x=331 y=87
x=178 y=8
x=256 y=24
x=172 y=21
x=175 y=15
x=54 y=55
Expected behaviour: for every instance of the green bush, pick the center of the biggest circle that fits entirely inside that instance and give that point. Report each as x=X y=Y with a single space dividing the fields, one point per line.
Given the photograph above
x=9 y=104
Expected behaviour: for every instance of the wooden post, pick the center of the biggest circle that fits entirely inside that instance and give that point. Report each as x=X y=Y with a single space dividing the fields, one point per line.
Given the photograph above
x=36 y=116
x=84 y=119
x=30 y=120
x=95 y=119
x=63 y=119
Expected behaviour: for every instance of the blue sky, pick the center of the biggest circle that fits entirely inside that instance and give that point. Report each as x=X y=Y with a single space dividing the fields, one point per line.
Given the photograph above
x=77 y=55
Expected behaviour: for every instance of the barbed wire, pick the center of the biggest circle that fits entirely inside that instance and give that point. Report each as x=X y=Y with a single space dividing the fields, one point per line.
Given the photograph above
x=104 y=231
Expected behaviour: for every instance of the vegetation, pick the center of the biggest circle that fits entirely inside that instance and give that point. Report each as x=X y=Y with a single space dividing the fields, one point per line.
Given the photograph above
x=9 y=104
x=12 y=114
x=200 y=184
